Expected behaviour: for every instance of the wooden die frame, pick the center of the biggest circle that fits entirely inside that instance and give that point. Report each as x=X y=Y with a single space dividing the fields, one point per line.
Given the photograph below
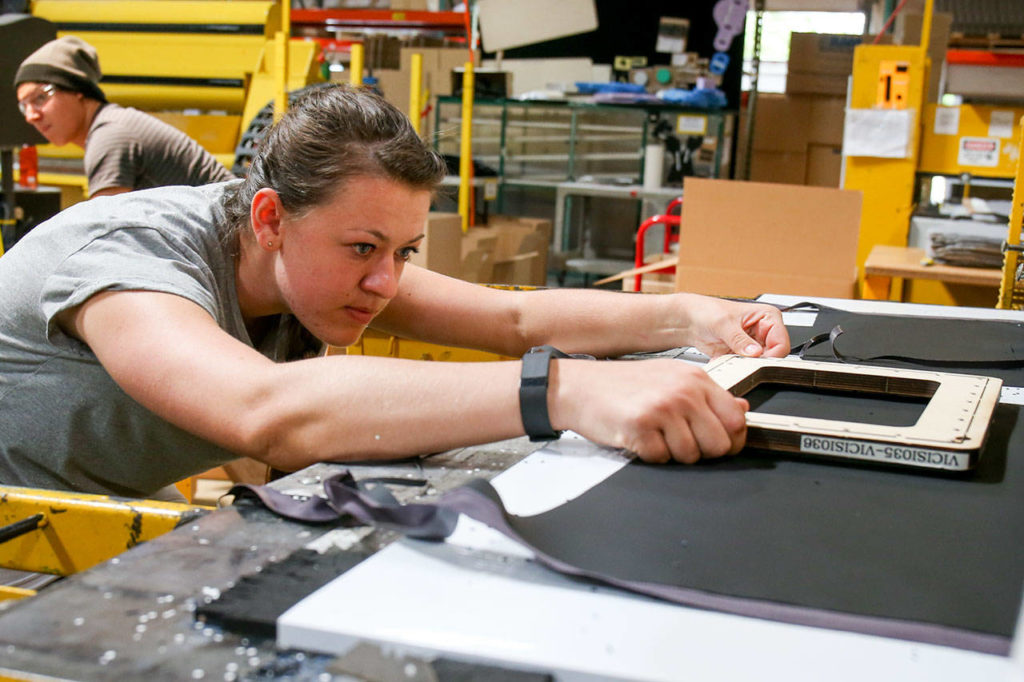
x=948 y=435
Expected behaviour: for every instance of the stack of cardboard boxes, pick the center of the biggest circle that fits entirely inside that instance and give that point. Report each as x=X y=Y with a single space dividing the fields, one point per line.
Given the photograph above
x=798 y=136
x=508 y=250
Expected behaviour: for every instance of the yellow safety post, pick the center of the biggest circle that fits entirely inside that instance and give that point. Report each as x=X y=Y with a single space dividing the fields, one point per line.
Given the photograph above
x=1010 y=296
x=281 y=61
x=355 y=64
x=466 y=149
x=416 y=91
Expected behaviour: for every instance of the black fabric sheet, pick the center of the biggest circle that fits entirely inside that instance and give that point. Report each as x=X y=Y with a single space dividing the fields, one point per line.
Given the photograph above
x=986 y=347
x=931 y=557
x=910 y=549
x=927 y=557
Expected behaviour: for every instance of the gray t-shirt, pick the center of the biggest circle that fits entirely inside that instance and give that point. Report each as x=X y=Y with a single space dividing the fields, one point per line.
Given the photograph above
x=128 y=148
x=66 y=424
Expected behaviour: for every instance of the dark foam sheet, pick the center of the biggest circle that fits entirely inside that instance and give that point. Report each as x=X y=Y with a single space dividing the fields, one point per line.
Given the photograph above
x=987 y=347
x=869 y=542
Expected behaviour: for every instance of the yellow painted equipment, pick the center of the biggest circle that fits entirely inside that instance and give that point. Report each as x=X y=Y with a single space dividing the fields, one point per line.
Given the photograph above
x=172 y=53
x=78 y=531
x=386 y=345
x=887 y=183
x=946 y=153
x=187 y=55
x=1011 y=290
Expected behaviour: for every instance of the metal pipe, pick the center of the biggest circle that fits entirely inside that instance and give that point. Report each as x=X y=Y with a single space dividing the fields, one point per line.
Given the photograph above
x=748 y=147
x=416 y=91
x=926 y=28
x=19 y=528
x=355 y=64
x=281 y=61
x=466 y=148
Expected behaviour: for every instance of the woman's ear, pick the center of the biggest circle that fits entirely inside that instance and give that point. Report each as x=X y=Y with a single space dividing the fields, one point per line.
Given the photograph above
x=265 y=214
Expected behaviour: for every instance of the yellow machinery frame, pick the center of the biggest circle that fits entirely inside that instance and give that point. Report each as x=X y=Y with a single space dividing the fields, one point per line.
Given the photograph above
x=1011 y=290
x=887 y=183
x=234 y=71
x=940 y=152
x=76 y=531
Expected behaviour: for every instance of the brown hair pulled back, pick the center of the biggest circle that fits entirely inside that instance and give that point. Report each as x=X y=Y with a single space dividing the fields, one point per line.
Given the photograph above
x=328 y=135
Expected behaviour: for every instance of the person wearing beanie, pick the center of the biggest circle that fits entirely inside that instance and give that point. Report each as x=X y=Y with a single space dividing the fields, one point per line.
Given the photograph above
x=58 y=92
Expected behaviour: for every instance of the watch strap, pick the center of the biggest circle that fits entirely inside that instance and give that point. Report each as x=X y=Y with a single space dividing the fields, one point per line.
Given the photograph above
x=533 y=392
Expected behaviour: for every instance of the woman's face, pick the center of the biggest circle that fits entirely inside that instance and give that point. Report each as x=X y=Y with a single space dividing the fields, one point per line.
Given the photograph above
x=339 y=265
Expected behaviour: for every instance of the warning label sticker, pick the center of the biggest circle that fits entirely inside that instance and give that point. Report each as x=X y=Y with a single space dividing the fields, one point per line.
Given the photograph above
x=978 y=151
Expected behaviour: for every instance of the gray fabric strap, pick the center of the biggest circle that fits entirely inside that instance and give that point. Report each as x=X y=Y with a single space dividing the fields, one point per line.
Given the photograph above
x=344 y=500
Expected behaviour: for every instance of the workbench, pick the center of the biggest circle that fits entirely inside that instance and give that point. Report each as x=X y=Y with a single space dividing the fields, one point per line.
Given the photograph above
x=887 y=267
x=135 y=616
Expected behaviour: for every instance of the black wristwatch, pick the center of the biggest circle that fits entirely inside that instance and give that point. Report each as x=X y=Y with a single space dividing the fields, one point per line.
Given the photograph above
x=533 y=393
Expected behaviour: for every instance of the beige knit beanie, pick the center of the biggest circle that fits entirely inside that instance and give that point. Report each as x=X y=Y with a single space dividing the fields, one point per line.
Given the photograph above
x=68 y=62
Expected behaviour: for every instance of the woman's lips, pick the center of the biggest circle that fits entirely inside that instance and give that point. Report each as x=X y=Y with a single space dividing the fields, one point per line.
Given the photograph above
x=360 y=315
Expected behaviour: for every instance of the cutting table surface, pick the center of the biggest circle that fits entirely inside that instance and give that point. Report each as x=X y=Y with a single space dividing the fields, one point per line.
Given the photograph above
x=134 y=617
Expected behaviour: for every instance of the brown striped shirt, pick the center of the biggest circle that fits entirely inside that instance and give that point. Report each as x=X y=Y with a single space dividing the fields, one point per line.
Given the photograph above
x=128 y=148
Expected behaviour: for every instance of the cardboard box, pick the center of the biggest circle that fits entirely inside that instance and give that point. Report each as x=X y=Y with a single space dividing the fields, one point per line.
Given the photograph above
x=824 y=165
x=821 y=63
x=520 y=251
x=822 y=53
x=783 y=167
x=780 y=123
x=750 y=238
x=438 y=63
x=825 y=123
x=441 y=249
x=786 y=129
x=807 y=83
x=509 y=250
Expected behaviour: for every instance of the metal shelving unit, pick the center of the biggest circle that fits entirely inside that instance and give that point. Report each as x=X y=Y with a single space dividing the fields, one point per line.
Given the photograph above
x=583 y=150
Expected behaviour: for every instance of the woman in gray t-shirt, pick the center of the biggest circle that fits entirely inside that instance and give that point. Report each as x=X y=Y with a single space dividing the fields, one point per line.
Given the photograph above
x=145 y=337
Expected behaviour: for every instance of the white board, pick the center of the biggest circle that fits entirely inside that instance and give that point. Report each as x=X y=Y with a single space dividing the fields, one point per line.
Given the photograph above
x=511 y=23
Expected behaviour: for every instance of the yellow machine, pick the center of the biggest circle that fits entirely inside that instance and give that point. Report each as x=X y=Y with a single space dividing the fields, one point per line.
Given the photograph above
x=205 y=66
x=62 y=533
x=980 y=139
x=891 y=79
x=971 y=142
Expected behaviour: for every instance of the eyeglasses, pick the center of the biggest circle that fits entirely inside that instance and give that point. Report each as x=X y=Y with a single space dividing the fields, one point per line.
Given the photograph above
x=37 y=100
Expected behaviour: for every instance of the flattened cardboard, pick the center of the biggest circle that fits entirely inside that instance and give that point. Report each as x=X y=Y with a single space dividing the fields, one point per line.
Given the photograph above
x=750 y=238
